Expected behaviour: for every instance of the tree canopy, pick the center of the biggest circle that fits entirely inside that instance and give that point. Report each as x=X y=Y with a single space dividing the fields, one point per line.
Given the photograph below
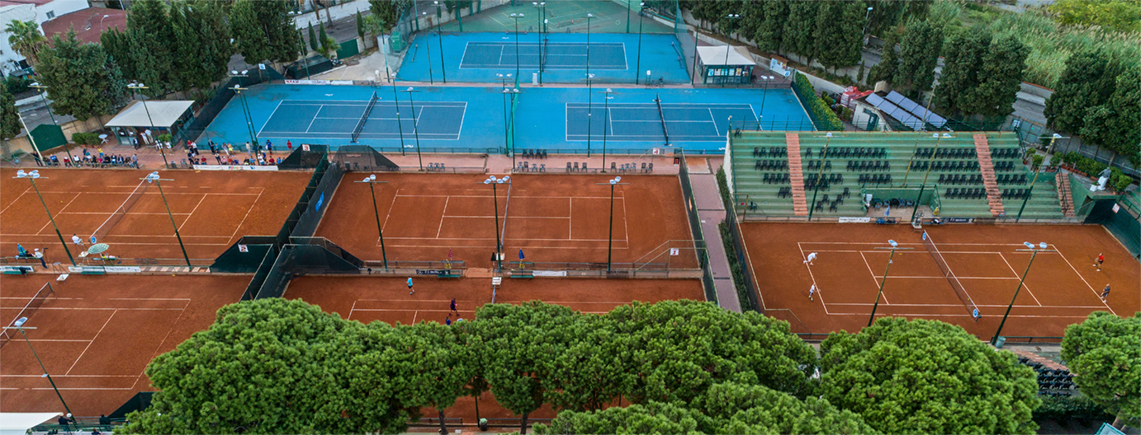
x=924 y=376
x=9 y=116
x=80 y=78
x=1104 y=352
x=263 y=30
x=26 y=39
x=919 y=55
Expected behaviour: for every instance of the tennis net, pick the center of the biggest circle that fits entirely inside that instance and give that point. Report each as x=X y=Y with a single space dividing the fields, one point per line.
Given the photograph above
x=364 y=118
x=662 y=114
x=115 y=217
x=951 y=278
x=37 y=300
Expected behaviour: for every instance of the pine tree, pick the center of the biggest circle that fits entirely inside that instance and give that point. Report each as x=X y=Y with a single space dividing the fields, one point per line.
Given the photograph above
x=838 y=39
x=962 y=59
x=78 y=77
x=154 y=36
x=799 y=29
x=1114 y=124
x=313 y=38
x=919 y=55
x=324 y=40
x=889 y=62
x=1088 y=80
x=360 y=26
x=9 y=116
x=999 y=79
x=263 y=30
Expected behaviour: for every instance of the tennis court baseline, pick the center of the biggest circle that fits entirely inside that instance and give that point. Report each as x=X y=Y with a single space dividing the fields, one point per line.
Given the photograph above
x=309 y=119
x=558 y=55
x=643 y=121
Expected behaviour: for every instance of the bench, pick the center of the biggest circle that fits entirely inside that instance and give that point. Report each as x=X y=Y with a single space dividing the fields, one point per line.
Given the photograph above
x=450 y=274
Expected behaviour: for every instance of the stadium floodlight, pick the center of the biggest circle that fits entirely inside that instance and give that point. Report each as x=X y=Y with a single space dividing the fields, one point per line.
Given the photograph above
x=892 y=243
x=153 y=177
x=495 y=182
x=32 y=176
x=371 y=181
x=19 y=326
x=610 y=239
x=20 y=322
x=1033 y=254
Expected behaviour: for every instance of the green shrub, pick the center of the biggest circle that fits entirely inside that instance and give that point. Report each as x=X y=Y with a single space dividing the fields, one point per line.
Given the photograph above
x=1037 y=161
x=823 y=115
x=17 y=85
x=85 y=138
x=1084 y=164
x=1070 y=408
x=1119 y=180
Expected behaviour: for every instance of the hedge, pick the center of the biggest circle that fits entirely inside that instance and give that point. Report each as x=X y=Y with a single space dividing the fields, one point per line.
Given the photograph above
x=1117 y=179
x=822 y=115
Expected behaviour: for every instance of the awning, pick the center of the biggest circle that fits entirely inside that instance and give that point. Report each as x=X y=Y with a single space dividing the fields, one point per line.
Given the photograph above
x=163 y=114
x=18 y=423
x=716 y=56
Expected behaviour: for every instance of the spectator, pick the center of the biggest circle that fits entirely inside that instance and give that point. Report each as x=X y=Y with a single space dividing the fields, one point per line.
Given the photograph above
x=104 y=420
x=289 y=145
x=36 y=156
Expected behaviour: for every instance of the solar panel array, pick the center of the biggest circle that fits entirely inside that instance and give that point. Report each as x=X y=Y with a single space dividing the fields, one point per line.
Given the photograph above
x=917 y=110
x=896 y=112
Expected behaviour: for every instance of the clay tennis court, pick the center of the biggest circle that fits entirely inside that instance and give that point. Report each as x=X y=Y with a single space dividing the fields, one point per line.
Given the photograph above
x=212 y=210
x=1062 y=288
x=96 y=335
x=552 y=218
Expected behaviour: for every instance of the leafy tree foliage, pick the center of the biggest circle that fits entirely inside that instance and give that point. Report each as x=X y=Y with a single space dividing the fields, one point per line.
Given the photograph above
x=1120 y=15
x=1104 y=352
x=963 y=59
x=919 y=55
x=386 y=12
x=9 y=116
x=118 y=46
x=313 y=41
x=652 y=418
x=1088 y=81
x=999 y=79
x=1114 y=124
x=888 y=67
x=263 y=30
x=26 y=39
x=152 y=47
x=203 y=49
x=799 y=30
x=79 y=77
x=927 y=377
x=838 y=33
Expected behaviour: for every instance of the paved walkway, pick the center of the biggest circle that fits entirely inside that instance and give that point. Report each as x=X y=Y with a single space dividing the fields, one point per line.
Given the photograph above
x=711 y=212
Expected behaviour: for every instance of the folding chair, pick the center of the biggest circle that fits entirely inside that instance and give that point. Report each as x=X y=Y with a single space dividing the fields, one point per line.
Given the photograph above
x=575 y=166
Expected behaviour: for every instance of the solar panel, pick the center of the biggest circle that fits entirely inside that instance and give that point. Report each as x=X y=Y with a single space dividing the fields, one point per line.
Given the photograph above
x=896 y=112
x=917 y=110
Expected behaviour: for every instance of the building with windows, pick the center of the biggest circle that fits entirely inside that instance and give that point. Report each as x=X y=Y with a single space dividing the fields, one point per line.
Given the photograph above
x=724 y=65
x=40 y=11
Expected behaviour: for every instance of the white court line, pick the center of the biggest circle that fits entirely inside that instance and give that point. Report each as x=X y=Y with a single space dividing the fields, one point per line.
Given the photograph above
x=235 y=233
x=1095 y=293
x=16 y=200
x=960 y=305
x=570 y=211
x=875 y=278
x=49 y=222
x=624 y=214
x=715 y=129
x=90 y=342
x=509 y=217
x=319 y=108
x=390 y=208
x=1024 y=284
x=819 y=292
x=443 y=214
x=354 y=307
x=194 y=210
x=271 y=116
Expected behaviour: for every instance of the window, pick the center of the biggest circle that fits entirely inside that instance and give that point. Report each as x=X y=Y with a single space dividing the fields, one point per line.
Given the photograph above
x=50 y=14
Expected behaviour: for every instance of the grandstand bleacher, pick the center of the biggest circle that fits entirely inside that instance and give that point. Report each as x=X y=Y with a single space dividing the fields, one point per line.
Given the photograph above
x=889 y=166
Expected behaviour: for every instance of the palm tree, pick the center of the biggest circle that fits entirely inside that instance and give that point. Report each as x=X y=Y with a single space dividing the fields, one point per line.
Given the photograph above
x=26 y=39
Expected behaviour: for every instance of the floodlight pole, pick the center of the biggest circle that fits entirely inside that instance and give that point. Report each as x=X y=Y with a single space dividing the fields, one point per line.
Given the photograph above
x=238 y=89
x=1034 y=180
x=819 y=175
x=32 y=177
x=440 y=37
x=910 y=163
x=494 y=182
x=1033 y=253
x=158 y=182
x=540 y=15
x=415 y=126
x=429 y=51
x=589 y=90
x=930 y=163
x=43 y=96
x=516 y=17
x=729 y=43
x=20 y=327
x=765 y=80
x=371 y=180
x=506 y=143
x=610 y=238
x=890 y=258
x=396 y=102
x=135 y=87
x=605 y=124
x=638 y=67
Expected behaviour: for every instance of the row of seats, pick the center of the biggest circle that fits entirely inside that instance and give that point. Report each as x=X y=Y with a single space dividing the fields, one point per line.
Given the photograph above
x=1051 y=379
x=776 y=178
x=784 y=192
x=770 y=152
x=832 y=178
x=960 y=179
x=941 y=165
x=1004 y=166
x=1005 y=153
x=1011 y=179
x=1015 y=193
x=893 y=202
x=770 y=165
x=875 y=178
x=823 y=184
x=854 y=152
x=947 y=153
x=831 y=204
x=869 y=165
x=534 y=154
x=970 y=193
x=815 y=165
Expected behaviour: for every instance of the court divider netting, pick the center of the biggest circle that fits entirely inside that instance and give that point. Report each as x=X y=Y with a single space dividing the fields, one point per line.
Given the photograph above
x=364 y=118
x=662 y=114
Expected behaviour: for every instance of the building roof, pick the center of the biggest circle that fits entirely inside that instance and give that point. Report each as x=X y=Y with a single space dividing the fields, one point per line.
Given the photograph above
x=716 y=56
x=24 y=2
x=88 y=23
x=163 y=114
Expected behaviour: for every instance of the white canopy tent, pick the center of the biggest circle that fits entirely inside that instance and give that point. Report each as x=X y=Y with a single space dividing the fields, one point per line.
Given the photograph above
x=715 y=56
x=18 y=423
x=722 y=64
x=164 y=114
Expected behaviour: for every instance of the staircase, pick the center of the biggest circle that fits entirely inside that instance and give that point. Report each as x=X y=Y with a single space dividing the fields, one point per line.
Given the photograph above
x=986 y=166
x=1065 y=197
x=796 y=174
